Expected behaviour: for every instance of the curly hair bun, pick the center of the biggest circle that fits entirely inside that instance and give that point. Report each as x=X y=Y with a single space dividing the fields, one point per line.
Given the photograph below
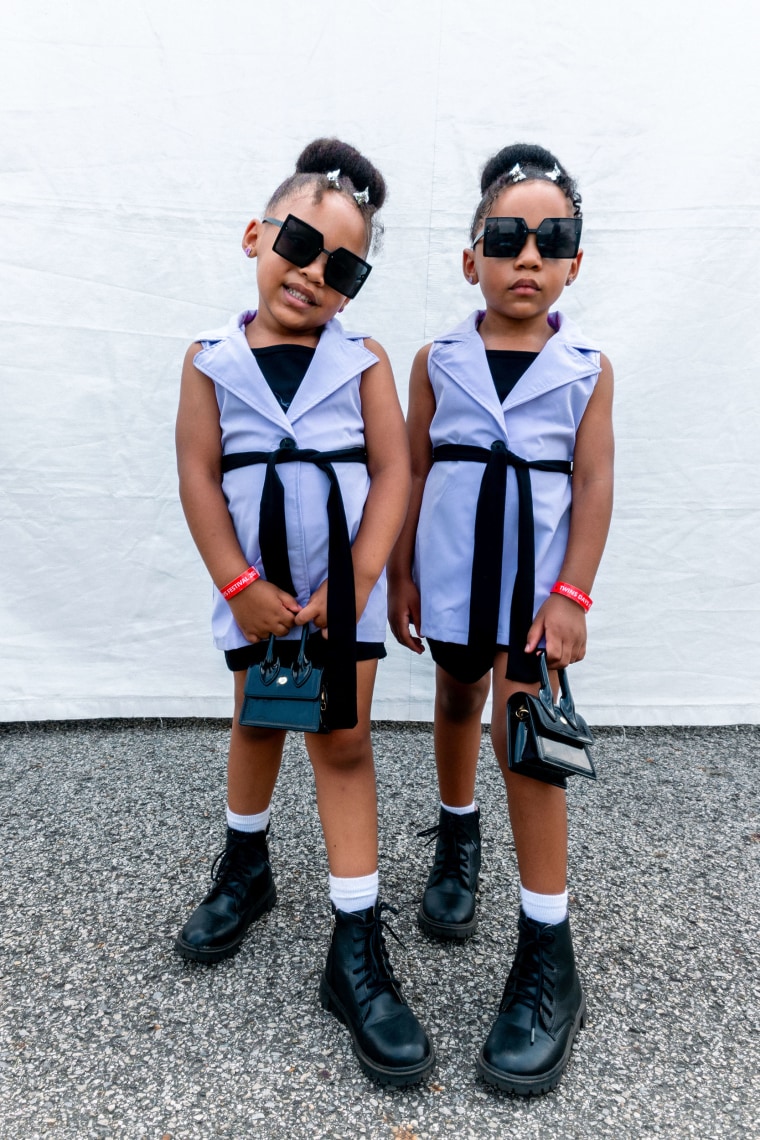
x=323 y=155
x=527 y=155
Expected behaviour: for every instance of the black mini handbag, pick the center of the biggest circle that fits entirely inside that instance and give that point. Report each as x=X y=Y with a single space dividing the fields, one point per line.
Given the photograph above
x=546 y=741
x=286 y=696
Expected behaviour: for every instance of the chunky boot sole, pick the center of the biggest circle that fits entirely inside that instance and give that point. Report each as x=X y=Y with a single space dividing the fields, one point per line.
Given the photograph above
x=193 y=954
x=395 y=1077
x=539 y=1082
x=446 y=931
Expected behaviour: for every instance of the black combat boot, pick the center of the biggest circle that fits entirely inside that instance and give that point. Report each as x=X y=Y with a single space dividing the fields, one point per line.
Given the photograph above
x=358 y=986
x=243 y=890
x=447 y=909
x=542 y=1009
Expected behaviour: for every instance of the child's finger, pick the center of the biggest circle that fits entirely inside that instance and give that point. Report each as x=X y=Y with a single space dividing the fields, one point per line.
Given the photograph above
x=535 y=634
x=405 y=637
x=313 y=611
x=289 y=602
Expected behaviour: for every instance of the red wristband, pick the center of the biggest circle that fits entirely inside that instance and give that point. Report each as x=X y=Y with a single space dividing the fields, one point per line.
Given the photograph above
x=573 y=593
x=238 y=584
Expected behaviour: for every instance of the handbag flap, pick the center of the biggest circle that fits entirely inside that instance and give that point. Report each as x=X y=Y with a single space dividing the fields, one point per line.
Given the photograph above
x=285 y=685
x=558 y=743
x=557 y=726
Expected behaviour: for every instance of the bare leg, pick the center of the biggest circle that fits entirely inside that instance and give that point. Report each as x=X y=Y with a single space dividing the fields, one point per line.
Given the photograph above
x=456 y=733
x=254 y=761
x=522 y=1056
x=537 y=811
x=357 y=984
x=243 y=887
x=447 y=909
x=344 y=772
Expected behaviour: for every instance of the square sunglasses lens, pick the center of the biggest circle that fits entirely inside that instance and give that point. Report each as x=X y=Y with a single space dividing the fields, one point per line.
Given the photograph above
x=504 y=237
x=345 y=272
x=298 y=242
x=559 y=237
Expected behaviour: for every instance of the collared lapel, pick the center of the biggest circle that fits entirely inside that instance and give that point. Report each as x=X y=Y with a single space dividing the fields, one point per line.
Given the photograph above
x=229 y=362
x=339 y=357
x=566 y=357
x=475 y=376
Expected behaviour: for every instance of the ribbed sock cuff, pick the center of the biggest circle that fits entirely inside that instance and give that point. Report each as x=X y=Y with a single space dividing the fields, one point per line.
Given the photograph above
x=459 y=810
x=258 y=822
x=544 y=908
x=354 y=894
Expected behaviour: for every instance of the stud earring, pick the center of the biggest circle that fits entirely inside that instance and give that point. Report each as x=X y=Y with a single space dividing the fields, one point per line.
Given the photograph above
x=248 y=251
x=471 y=279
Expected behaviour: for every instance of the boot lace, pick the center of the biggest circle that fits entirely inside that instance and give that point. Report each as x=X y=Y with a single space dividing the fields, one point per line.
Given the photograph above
x=231 y=864
x=376 y=971
x=451 y=855
x=532 y=979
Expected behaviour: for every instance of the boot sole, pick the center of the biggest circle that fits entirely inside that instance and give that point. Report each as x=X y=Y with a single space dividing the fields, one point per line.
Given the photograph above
x=193 y=954
x=382 y=1074
x=540 y=1082
x=446 y=931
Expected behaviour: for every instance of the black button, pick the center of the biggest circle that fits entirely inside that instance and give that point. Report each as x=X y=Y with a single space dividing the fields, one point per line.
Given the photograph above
x=498 y=445
x=287 y=443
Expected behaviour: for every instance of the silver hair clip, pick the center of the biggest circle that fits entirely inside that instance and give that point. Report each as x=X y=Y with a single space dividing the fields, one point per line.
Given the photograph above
x=516 y=173
x=333 y=177
x=362 y=196
x=553 y=174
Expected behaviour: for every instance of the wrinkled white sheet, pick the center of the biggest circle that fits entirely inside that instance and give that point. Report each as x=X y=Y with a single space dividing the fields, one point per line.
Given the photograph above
x=138 y=141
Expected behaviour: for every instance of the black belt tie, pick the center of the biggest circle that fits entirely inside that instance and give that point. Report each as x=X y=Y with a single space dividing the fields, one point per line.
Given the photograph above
x=341 y=596
x=485 y=588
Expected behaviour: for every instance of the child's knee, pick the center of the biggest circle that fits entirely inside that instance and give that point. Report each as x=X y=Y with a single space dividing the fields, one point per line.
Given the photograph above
x=458 y=702
x=344 y=750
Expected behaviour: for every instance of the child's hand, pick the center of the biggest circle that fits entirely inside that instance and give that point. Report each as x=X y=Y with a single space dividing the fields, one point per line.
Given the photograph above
x=263 y=608
x=563 y=623
x=404 y=612
x=315 y=609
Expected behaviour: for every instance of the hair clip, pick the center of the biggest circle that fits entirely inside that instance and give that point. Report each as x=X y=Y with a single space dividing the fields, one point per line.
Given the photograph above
x=516 y=173
x=333 y=177
x=362 y=196
x=553 y=174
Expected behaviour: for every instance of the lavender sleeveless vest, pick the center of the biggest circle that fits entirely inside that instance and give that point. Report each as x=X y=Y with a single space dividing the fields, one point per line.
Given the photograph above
x=538 y=420
x=325 y=415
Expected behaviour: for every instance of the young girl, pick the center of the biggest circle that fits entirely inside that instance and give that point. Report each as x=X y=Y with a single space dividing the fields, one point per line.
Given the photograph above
x=493 y=564
x=290 y=438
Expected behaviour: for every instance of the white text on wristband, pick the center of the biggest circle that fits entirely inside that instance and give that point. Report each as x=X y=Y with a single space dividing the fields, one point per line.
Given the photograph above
x=238 y=584
x=572 y=592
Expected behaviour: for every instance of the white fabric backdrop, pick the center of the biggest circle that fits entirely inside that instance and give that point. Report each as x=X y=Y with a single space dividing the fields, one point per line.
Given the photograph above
x=139 y=140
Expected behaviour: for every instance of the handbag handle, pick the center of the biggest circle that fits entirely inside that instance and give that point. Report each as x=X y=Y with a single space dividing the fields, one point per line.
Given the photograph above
x=270 y=666
x=566 y=702
x=302 y=666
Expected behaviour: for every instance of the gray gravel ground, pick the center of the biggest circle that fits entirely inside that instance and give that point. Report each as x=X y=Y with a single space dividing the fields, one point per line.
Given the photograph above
x=109 y=830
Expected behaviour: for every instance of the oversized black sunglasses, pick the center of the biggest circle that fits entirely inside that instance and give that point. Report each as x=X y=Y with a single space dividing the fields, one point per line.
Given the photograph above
x=555 y=237
x=300 y=243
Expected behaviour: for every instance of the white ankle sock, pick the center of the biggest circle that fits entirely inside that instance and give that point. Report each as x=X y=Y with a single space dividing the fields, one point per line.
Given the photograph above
x=258 y=822
x=354 y=894
x=459 y=810
x=544 y=908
